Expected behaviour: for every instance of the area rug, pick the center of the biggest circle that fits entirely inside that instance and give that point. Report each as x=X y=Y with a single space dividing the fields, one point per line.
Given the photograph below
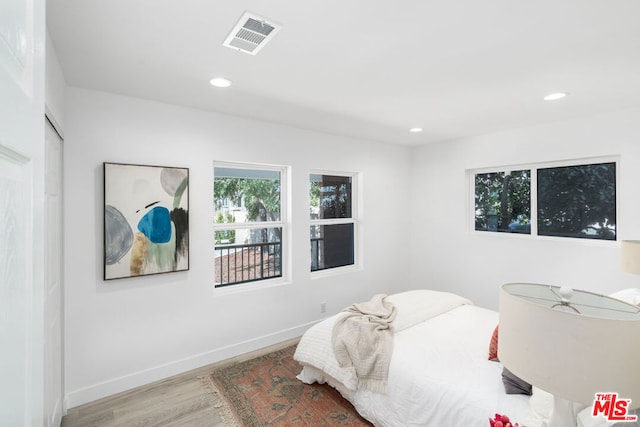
x=265 y=392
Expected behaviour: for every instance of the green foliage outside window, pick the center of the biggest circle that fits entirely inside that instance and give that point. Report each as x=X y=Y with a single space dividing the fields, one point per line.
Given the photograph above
x=578 y=201
x=259 y=196
x=503 y=201
x=572 y=201
x=226 y=237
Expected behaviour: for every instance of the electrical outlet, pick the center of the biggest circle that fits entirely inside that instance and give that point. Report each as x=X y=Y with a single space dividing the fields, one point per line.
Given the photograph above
x=323 y=307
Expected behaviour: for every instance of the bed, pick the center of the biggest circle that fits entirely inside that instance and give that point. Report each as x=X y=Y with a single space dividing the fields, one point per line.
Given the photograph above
x=439 y=371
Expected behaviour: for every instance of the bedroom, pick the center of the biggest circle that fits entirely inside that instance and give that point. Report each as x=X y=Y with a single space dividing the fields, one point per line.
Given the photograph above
x=123 y=333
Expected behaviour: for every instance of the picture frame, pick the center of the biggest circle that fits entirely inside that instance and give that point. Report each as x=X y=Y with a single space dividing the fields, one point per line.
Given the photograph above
x=146 y=220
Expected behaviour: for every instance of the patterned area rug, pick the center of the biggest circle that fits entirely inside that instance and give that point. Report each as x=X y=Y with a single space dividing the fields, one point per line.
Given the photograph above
x=265 y=392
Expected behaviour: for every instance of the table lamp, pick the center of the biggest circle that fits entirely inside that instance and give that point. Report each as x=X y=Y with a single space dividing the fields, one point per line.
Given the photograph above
x=630 y=259
x=572 y=344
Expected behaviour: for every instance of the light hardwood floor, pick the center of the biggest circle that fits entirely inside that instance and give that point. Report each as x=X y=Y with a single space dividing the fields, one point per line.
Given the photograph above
x=179 y=401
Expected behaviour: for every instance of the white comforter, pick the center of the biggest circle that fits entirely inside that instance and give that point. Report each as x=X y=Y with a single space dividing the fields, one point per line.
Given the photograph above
x=439 y=373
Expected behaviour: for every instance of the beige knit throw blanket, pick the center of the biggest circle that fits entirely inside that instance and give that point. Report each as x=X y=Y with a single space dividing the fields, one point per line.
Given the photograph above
x=363 y=338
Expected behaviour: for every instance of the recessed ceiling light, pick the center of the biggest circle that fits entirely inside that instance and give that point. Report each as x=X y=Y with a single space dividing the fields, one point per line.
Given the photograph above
x=220 y=82
x=416 y=130
x=555 y=96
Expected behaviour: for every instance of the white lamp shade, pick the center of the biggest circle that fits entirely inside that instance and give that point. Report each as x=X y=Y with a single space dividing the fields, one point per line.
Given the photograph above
x=573 y=356
x=630 y=256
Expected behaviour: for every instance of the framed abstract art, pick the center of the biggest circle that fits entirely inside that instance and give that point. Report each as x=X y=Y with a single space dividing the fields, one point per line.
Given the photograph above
x=146 y=220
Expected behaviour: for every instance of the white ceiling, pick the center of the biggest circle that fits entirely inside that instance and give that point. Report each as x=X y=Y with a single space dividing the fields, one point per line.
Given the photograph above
x=362 y=68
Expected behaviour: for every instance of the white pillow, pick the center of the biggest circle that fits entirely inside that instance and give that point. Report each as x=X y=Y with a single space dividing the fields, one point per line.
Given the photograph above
x=630 y=295
x=413 y=307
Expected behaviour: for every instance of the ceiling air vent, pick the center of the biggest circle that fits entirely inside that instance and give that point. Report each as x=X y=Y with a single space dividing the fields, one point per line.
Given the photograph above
x=251 y=33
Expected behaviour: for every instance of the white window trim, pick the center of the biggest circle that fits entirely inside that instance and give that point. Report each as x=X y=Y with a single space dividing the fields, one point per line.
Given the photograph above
x=533 y=167
x=355 y=211
x=283 y=223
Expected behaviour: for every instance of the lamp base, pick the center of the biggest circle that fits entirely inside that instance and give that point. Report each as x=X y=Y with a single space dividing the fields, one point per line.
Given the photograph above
x=564 y=413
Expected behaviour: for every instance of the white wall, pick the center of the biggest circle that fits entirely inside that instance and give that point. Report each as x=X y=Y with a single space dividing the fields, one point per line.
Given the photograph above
x=447 y=255
x=128 y=332
x=54 y=87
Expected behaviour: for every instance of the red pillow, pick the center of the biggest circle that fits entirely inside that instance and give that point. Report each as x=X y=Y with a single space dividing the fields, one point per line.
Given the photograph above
x=493 y=346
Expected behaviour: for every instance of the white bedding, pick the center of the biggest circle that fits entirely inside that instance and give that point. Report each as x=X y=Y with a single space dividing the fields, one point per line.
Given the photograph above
x=439 y=373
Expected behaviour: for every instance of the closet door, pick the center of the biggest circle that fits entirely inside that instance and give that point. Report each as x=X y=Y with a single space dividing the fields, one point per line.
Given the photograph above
x=22 y=226
x=53 y=302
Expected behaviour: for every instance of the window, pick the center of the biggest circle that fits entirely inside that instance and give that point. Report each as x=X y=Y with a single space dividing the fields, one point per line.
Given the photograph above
x=571 y=200
x=333 y=225
x=248 y=223
x=503 y=201
x=578 y=201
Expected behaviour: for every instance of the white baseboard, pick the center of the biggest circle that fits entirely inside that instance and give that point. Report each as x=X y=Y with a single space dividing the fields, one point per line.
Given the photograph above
x=97 y=391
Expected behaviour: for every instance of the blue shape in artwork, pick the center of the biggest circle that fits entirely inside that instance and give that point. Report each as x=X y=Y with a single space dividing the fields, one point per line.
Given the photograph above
x=156 y=225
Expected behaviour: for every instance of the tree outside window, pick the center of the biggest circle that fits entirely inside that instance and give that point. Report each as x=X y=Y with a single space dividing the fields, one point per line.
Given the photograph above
x=503 y=201
x=575 y=200
x=578 y=201
x=248 y=223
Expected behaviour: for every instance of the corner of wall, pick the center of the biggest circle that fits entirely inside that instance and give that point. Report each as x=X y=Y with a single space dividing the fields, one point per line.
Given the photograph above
x=55 y=86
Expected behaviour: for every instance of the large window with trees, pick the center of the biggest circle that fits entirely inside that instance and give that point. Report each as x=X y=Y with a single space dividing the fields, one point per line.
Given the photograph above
x=333 y=223
x=249 y=223
x=569 y=200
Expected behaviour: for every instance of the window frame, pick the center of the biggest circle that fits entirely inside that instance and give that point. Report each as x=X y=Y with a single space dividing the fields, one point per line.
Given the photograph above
x=355 y=209
x=283 y=223
x=533 y=168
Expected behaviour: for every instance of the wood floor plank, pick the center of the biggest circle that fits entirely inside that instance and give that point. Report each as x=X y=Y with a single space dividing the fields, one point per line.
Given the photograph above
x=179 y=401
